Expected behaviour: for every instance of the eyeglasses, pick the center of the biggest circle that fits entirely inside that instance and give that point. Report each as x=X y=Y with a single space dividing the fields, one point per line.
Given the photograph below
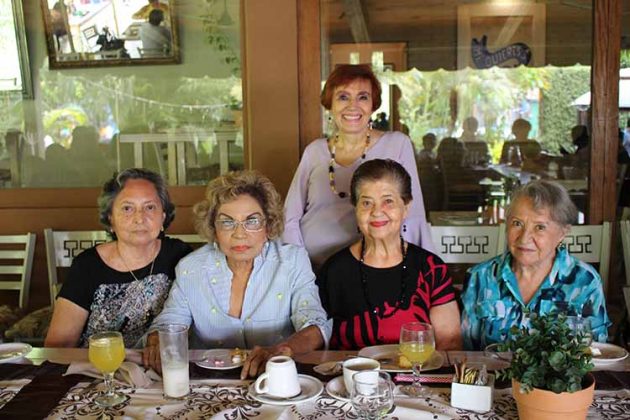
x=253 y=224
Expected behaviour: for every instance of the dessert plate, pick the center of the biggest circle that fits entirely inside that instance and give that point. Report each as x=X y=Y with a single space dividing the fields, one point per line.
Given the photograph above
x=311 y=388
x=10 y=352
x=388 y=354
x=218 y=359
x=609 y=353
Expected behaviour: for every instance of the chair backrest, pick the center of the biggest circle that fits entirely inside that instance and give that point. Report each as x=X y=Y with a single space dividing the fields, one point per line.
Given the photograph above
x=468 y=244
x=62 y=247
x=10 y=269
x=591 y=244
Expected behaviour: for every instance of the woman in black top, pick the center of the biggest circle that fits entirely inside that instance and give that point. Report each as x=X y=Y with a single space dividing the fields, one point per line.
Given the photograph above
x=121 y=285
x=374 y=286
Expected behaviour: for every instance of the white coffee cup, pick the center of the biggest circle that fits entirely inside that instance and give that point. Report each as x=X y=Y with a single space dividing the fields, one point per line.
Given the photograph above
x=280 y=378
x=357 y=364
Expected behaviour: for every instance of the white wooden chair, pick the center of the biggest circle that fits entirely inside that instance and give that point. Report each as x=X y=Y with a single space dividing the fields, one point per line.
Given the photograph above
x=468 y=244
x=62 y=247
x=591 y=244
x=16 y=256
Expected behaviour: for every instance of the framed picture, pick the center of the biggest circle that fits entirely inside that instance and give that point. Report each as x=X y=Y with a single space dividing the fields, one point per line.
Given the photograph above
x=501 y=35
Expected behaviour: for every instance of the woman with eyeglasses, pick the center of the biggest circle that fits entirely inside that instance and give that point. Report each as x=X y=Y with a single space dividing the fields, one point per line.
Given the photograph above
x=245 y=288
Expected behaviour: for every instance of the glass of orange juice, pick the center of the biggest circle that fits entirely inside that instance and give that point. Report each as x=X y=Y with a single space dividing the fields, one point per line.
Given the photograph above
x=106 y=353
x=417 y=343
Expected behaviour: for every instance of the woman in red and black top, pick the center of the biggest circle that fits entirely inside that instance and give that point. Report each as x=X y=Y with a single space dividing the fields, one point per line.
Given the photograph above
x=381 y=282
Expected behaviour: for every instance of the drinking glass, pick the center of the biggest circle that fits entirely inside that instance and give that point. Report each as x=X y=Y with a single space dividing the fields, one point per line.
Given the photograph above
x=581 y=326
x=372 y=394
x=417 y=343
x=106 y=353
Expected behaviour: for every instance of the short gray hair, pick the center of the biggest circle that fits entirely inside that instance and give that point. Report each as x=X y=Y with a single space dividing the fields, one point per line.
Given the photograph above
x=548 y=195
x=115 y=185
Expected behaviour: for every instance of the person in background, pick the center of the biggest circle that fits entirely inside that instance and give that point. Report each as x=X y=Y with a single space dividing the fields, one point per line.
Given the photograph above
x=156 y=38
x=121 y=285
x=381 y=122
x=144 y=11
x=427 y=154
x=470 y=126
x=536 y=274
x=245 y=288
x=374 y=286
x=318 y=211
x=526 y=148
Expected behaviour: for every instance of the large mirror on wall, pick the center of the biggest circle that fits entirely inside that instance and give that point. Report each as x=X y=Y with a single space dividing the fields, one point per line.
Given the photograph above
x=88 y=33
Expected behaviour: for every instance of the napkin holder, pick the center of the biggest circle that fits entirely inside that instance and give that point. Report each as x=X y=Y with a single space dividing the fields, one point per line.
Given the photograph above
x=473 y=397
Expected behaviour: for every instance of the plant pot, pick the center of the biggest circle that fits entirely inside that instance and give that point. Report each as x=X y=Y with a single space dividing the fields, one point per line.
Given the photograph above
x=539 y=404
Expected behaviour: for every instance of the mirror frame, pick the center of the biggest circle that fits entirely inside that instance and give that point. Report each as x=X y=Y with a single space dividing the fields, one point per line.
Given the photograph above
x=54 y=63
x=22 y=47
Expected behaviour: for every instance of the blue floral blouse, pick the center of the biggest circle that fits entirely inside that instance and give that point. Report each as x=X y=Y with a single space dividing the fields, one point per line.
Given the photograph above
x=493 y=303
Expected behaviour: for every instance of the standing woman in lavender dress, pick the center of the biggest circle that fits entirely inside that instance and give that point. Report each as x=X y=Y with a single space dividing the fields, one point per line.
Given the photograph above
x=318 y=212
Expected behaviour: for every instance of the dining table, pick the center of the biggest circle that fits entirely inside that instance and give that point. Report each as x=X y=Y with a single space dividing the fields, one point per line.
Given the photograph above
x=36 y=386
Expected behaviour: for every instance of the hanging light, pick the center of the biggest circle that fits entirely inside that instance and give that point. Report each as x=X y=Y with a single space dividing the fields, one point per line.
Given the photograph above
x=225 y=19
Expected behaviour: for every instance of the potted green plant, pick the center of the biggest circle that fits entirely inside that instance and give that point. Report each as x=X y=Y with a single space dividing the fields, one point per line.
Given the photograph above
x=549 y=369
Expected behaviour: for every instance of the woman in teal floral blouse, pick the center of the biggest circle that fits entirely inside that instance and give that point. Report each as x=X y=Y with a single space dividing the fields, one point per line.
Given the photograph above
x=535 y=274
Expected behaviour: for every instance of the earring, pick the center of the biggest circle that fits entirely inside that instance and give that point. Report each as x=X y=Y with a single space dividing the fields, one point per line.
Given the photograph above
x=404 y=228
x=330 y=128
x=162 y=229
x=358 y=230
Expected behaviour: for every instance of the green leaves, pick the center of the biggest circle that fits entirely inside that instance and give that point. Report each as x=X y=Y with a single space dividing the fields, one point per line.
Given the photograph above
x=547 y=356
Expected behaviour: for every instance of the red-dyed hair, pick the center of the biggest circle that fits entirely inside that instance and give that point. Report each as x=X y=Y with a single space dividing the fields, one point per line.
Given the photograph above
x=345 y=74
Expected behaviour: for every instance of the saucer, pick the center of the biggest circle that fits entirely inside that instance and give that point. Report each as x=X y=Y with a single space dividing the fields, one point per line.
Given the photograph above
x=311 y=388
x=10 y=352
x=336 y=388
x=223 y=355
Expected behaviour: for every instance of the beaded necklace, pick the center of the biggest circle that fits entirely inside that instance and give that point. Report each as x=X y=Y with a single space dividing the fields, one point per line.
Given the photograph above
x=403 y=283
x=331 y=165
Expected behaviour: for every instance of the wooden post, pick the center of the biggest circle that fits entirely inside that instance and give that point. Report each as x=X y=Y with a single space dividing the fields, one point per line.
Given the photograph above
x=309 y=70
x=605 y=110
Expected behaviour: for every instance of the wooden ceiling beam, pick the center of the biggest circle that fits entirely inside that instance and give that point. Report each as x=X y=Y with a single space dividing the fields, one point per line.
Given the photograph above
x=353 y=9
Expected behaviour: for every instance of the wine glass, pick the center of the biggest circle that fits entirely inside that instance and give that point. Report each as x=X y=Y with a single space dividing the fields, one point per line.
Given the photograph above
x=106 y=353
x=417 y=343
x=581 y=326
x=372 y=394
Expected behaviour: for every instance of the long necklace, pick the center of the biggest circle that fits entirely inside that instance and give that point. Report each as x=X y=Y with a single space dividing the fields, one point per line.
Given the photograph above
x=331 y=165
x=403 y=283
x=130 y=270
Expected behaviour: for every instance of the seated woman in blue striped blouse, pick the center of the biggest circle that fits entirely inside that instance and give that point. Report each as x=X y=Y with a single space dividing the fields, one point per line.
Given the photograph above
x=245 y=288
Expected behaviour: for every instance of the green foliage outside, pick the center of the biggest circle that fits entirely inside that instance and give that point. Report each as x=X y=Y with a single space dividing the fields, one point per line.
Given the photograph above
x=548 y=356
x=558 y=116
x=219 y=38
x=135 y=104
x=494 y=96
